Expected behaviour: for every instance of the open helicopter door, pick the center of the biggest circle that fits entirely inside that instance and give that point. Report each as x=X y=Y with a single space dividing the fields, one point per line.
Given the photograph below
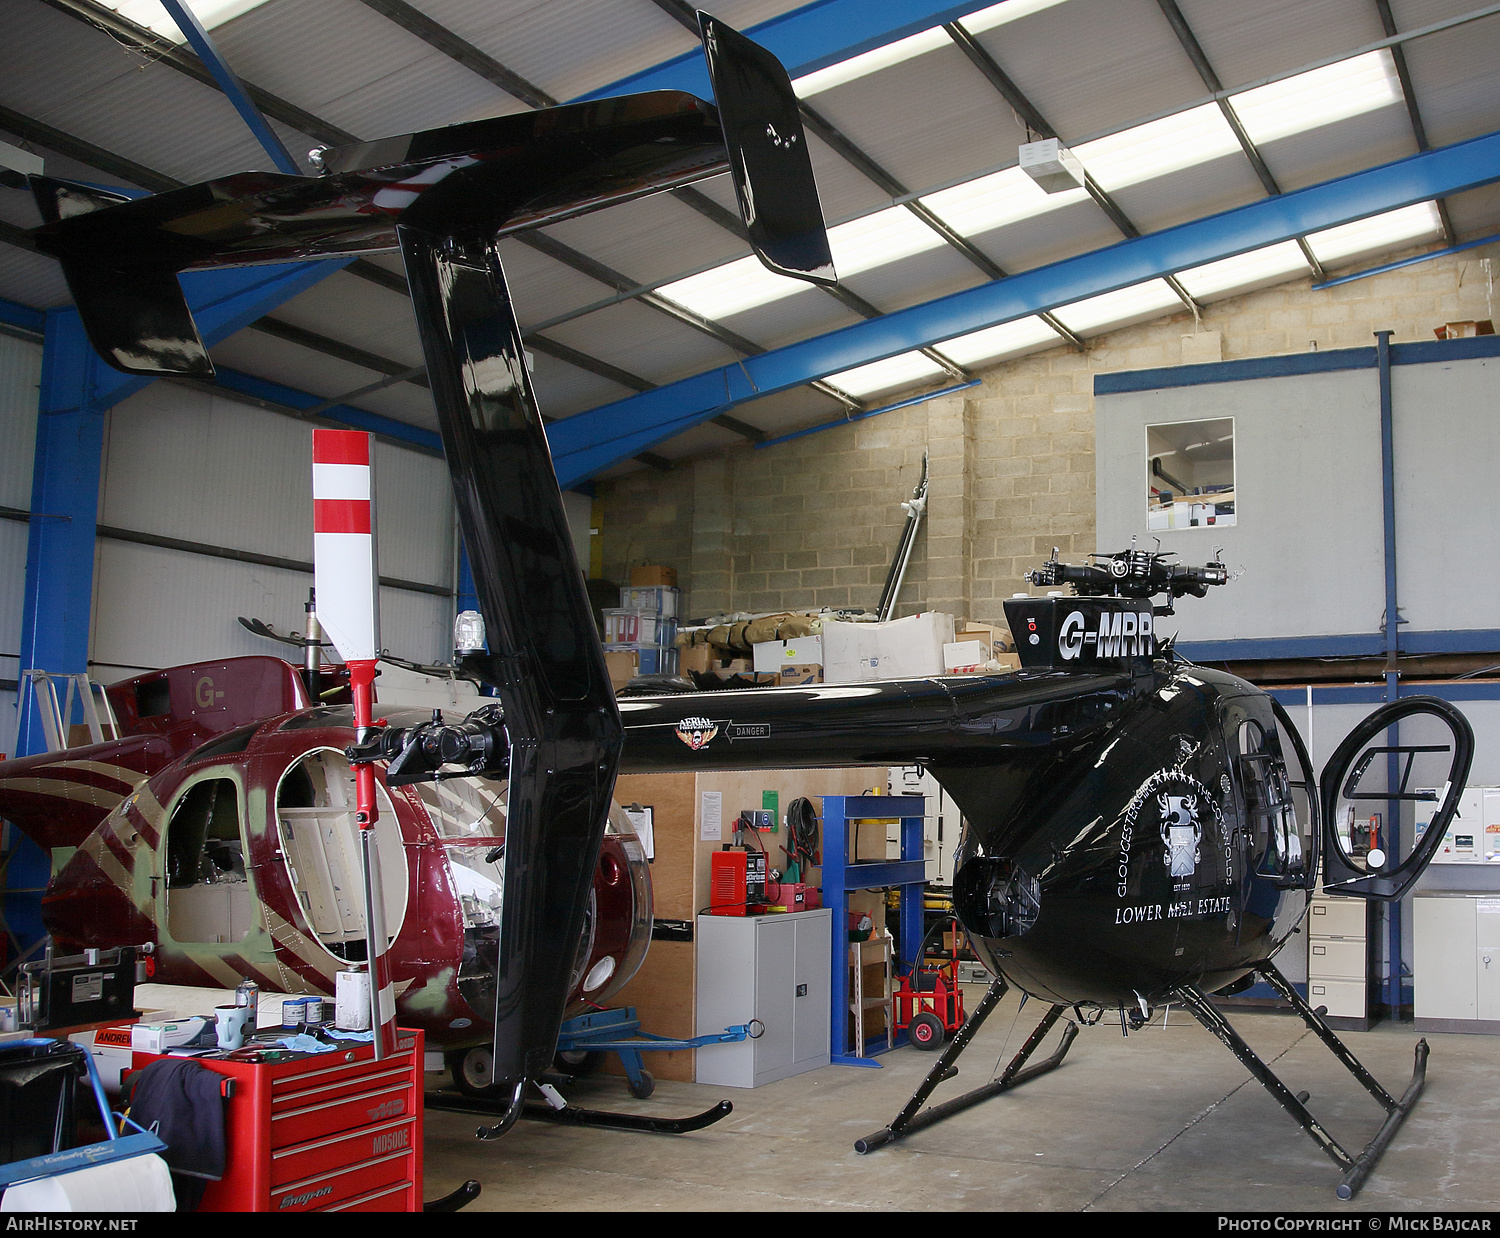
x=347 y=585
x=1376 y=794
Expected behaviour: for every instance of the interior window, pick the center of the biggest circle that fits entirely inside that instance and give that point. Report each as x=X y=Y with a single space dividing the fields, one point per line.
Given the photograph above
x=1190 y=474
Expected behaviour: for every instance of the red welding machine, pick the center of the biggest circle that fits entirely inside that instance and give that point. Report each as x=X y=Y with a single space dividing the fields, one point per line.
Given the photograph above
x=737 y=880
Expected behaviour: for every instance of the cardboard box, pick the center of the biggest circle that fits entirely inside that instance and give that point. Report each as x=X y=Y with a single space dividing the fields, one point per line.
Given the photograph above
x=654 y=574
x=621 y=665
x=796 y=676
x=696 y=658
x=964 y=656
x=1464 y=330
x=774 y=655
x=996 y=636
x=900 y=649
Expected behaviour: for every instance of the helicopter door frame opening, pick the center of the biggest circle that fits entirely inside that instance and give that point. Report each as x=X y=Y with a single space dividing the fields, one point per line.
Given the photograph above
x=206 y=889
x=319 y=844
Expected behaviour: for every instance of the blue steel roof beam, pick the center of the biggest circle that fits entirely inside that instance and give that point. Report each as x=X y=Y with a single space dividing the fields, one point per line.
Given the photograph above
x=234 y=90
x=1196 y=54
x=588 y=442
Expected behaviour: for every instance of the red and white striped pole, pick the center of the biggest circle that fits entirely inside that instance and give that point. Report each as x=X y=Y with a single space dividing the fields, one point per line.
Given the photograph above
x=347 y=583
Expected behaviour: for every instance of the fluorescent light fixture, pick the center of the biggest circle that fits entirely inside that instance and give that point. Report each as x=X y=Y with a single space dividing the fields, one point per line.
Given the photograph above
x=999 y=14
x=1009 y=339
x=1274 y=262
x=871 y=62
x=1408 y=224
x=913 y=45
x=877 y=239
x=858 y=245
x=153 y=16
x=905 y=369
x=995 y=200
x=725 y=290
x=1158 y=147
x=1319 y=96
x=1118 y=307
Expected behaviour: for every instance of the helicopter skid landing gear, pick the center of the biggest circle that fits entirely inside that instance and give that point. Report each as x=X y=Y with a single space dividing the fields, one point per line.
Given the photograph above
x=913 y=1118
x=1356 y=1168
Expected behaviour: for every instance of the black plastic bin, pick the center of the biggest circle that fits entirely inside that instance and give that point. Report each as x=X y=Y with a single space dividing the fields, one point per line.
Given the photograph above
x=38 y=1110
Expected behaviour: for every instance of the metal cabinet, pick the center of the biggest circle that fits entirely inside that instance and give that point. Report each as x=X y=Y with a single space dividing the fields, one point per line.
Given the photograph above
x=1456 y=962
x=773 y=969
x=1338 y=960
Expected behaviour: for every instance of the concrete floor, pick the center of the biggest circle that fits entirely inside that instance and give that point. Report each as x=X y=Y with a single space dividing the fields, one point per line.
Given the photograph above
x=1164 y=1120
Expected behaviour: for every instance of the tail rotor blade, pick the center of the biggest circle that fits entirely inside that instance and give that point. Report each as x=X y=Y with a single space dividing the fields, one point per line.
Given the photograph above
x=346 y=572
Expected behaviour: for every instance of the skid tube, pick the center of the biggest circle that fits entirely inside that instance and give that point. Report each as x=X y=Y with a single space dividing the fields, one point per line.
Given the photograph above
x=571 y=1115
x=913 y=1118
x=1356 y=1168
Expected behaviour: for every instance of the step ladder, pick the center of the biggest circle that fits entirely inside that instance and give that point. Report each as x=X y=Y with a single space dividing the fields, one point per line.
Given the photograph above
x=56 y=708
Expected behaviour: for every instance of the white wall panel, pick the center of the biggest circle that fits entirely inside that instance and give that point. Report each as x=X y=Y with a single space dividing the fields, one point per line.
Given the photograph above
x=155 y=607
x=20 y=375
x=414 y=513
x=1308 y=533
x=1446 y=434
x=187 y=465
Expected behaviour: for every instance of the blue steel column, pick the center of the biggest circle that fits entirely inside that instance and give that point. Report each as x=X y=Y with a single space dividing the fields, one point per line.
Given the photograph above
x=1392 y=839
x=59 y=564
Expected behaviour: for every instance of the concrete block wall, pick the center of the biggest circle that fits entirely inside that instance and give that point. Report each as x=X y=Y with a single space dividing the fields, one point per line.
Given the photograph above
x=814 y=522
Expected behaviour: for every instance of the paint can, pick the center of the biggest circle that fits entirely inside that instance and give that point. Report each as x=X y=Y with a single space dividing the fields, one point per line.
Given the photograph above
x=291 y=1012
x=352 y=1000
x=314 y=1009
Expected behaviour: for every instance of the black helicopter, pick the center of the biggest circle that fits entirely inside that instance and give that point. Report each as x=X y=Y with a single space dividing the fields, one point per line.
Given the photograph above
x=1133 y=834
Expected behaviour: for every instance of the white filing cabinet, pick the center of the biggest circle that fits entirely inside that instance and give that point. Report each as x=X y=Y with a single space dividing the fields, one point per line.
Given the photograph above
x=1338 y=960
x=774 y=968
x=1456 y=962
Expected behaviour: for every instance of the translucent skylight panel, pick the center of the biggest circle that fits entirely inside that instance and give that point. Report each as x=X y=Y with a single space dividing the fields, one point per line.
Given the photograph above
x=996 y=200
x=1409 y=224
x=995 y=343
x=905 y=369
x=913 y=45
x=1119 y=306
x=730 y=288
x=1319 y=96
x=1158 y=147
x=877 y=239
x=999 y=14
x=1243 y=270
x=870 y=62
x=153 y=16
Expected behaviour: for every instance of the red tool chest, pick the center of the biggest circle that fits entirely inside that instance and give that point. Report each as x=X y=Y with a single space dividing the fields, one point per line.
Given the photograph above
x=322 y=1132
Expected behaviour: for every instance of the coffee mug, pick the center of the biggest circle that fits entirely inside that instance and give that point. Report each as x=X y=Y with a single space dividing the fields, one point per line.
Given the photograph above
x=233 y=1022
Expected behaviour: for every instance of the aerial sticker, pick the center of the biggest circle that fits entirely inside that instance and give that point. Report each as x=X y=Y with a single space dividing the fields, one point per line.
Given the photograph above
x=697 y=732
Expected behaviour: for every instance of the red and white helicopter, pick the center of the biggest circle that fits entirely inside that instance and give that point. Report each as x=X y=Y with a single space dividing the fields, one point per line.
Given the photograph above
x=220 y=829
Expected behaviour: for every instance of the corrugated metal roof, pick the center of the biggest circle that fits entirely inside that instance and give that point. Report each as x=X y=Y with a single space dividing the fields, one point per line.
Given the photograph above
x=1091 y=68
